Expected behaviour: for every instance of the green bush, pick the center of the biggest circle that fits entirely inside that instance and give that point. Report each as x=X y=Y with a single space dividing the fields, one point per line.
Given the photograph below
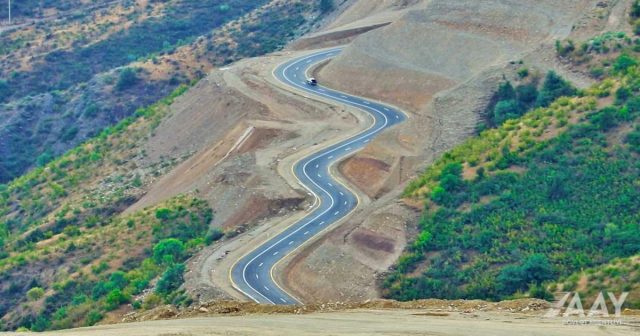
x=127 y=78
x=214 y=235
x=114 y=299
x=171 y=279
x=168 y=251
x=624 y=62
x=35 y=293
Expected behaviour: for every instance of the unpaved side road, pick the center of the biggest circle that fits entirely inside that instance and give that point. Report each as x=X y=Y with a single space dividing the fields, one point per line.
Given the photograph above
x=361 y=322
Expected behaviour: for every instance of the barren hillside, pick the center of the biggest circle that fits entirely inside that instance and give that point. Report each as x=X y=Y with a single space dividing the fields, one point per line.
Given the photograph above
x=440 y=61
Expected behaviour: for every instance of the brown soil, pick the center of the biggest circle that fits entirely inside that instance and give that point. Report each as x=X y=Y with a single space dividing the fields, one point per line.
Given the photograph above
x=440 y=60
x=379 y=317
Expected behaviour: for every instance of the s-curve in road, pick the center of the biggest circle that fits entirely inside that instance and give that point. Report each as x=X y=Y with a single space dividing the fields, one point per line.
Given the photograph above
x=253 y=274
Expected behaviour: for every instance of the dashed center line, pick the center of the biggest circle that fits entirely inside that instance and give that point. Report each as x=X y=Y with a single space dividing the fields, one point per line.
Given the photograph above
x=281 y=299
x=306 y=233
x=341 y=193
x=330 y=157
x=260 y=264
x=321 y=223
x=336 y=213
x=386 y=109
x=266 y=288
x=347 y=149
x=275 y=253
x=291 y=242
x=257 y=277
x=331 y=185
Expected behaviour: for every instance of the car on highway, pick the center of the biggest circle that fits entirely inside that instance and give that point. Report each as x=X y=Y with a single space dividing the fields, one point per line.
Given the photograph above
x=312 y=81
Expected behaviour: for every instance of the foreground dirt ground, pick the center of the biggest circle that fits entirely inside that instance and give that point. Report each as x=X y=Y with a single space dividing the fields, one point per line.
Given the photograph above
x=363 y=322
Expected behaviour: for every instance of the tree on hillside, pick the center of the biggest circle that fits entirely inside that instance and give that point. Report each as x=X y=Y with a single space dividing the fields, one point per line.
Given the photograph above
x=127 y=79
x=554 y=87
x=168 y=251
x=171 y=279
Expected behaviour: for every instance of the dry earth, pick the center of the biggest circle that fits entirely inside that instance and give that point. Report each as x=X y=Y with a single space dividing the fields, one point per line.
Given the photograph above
x=439 y=60
x=426 y=317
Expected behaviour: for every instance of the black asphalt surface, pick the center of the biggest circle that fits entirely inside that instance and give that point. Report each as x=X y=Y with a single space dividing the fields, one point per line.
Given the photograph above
x=252 y=275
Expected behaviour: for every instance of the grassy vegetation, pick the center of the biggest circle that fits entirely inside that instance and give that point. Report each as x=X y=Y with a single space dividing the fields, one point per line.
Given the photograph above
x=115 y=263
x=91 y=81
x=181 y=22
x=66 y=256
x=619 y=275
x=534 y=200
x=511 y=102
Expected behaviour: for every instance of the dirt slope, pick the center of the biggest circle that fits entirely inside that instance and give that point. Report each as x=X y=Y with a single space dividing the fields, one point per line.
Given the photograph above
x=440 y=60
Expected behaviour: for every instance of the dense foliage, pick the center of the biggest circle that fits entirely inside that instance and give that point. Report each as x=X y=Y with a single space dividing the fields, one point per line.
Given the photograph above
x=67 y=258
x=539 y=198
x=510 y=102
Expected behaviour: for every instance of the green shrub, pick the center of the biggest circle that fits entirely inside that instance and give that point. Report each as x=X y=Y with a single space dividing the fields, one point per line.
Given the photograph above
x=115 y=298
x=171 y=279
x=35 y=293
x=214 y=235
x=127 y=78
x=168 y=251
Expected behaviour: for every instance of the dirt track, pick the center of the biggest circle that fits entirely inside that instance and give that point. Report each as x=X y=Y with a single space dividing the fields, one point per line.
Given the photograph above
x=358 y=322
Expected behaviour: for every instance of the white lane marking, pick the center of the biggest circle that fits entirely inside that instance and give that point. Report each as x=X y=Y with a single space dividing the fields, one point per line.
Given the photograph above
x=267 y=288
x=291 y=242
x=281 y=299
x=275 y=253
x=343 y=96
x=366 y=102
x=331 y=185
x=347 y=149
x=320 y=176
x=331 y=157
x=309 y=61
x=345 y=202
x=322 y=90
x=257 y=277
x=397 y=117
x=372 y=130
x=294 y=75
x=260 y=264
x=321 y=223
x=306 y=233
x=317 y=166
x=336 y=213
x=297 y=68
x=367 y=141
x=386 y=109
x=341 y=193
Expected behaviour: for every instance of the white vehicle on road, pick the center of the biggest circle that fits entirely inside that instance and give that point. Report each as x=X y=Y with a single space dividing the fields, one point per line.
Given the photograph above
x=312 y=81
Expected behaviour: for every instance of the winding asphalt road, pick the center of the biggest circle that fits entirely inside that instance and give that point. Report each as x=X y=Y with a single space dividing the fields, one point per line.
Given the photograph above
x=252 y=274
